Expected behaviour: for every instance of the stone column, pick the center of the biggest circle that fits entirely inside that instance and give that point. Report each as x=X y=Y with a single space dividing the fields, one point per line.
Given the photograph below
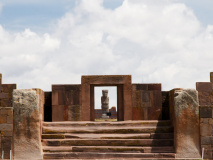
x=27 y=133
x=184 y=114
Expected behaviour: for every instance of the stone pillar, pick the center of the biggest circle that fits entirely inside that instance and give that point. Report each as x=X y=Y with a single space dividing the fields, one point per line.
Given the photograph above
x=27 y=133
x=184 y=110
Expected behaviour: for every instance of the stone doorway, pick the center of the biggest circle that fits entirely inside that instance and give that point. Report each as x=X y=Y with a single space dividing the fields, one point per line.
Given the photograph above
x=112 y=103
x=124 y=95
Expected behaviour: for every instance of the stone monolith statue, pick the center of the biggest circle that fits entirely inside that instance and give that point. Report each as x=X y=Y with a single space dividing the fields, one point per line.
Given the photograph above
x=105 y=102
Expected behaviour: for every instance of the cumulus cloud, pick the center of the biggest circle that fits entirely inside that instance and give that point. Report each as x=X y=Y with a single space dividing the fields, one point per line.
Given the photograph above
x=154 y=42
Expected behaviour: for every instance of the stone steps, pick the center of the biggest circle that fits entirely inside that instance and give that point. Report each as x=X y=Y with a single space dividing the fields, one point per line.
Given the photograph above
x=126 y=149
x=94 y=155
x=108 y=123
x=104 y=130
x=109 y=136
x=108 y=140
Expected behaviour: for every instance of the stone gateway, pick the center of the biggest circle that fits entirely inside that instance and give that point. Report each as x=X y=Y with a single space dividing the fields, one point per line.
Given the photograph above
x=151 y=123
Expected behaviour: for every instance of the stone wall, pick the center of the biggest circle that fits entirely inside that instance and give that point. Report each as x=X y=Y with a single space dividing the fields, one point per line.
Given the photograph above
x=147 y=101
x=6 y=129
x=205 y=91
x=6 y=117
x=66 y=102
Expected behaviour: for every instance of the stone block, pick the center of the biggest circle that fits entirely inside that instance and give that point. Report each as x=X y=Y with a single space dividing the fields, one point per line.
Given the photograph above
x=3 y=95
x=6 y=110
x=54 y=97
x=61 y=97
x=154 y=86
x=3 y=119
x=141 y=86
x=57 y=113
x=186 y=123
x=205 y=120
x=205 y=112
x=205 y=98
x=154 y=113
x=205 y=129
x=204 y=86
x=74 y=112
x=206 y=140
x=27 y=125
x=5 y=102
x=8 y=134
x=207 y=151
x=137 y=113
x=6 y=144
x=9 y=119
x=6 y=127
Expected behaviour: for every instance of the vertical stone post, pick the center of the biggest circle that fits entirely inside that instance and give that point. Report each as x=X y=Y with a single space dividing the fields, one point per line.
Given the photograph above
x=184 y=113
x=27 y=121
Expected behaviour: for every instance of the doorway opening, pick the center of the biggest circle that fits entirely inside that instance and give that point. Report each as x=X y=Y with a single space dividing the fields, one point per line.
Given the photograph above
x=111 y=114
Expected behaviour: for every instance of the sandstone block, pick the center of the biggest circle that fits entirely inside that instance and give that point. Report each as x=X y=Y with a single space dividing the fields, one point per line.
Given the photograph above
x=204 y=120
x=205 y=129
x=3 y=119
x=27 y=139
x=205 y=112
x=204 y=86
x=205 y=98
x=186 y=124
x=9 y=119
x=6 y=127
x=57 y=113
x=206 y=140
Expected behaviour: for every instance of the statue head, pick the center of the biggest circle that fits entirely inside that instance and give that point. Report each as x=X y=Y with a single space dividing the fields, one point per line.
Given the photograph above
x=105 y=93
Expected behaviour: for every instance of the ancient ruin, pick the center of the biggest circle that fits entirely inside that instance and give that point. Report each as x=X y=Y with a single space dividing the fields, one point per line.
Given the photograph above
x=151 y=123
x=105 y=104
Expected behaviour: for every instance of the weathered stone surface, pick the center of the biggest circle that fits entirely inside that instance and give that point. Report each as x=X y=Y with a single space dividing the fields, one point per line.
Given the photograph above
x=64 y=96
x=6 y=130
x=205 y=129
x=27 y=134
x=186 y=124
x=205 y=112
x=207 y=140
x=204 y=86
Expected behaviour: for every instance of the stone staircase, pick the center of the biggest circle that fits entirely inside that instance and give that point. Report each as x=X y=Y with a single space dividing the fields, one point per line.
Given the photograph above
x=108 y=140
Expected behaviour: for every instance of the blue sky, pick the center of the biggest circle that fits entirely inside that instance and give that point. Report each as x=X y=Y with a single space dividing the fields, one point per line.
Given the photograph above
x=37 y=15
x=46 y=42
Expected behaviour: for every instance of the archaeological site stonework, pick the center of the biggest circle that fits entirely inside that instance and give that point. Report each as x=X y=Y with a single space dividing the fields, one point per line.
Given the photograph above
x=62 y=123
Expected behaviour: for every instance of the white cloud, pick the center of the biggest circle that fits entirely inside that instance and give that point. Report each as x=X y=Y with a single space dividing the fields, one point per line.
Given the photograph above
x=155 y=42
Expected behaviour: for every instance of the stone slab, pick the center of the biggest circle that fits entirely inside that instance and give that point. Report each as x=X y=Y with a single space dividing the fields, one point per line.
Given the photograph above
x=186 y=123
x=27 y=125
